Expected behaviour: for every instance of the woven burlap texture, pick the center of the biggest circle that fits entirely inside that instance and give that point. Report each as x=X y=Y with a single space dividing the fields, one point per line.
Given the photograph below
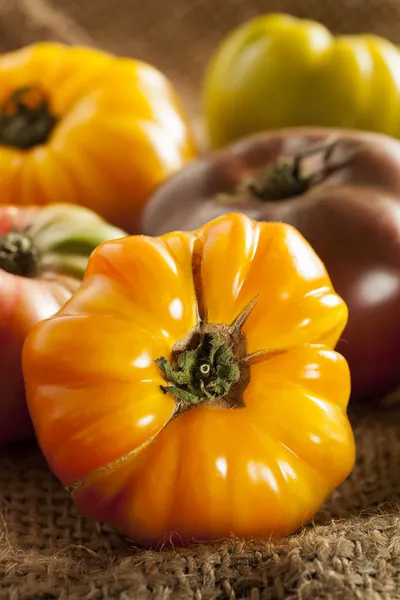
x=177 y=36
x=47 y=551
x=351 y=551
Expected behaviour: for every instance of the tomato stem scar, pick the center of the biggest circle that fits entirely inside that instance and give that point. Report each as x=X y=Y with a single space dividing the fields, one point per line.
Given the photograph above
x=208 y=366
x=25 y=118
x=288 y=176
x=18 y=255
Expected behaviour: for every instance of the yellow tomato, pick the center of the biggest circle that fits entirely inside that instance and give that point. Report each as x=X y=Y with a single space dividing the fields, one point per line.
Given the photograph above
x=81 y=126
x=278 y=71
x=190 y=389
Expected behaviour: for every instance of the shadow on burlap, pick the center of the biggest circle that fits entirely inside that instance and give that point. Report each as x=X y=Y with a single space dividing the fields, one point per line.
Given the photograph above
x=352 y=550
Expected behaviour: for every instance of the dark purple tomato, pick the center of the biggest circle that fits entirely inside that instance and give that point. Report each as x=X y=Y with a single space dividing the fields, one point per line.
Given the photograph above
x=341 y=190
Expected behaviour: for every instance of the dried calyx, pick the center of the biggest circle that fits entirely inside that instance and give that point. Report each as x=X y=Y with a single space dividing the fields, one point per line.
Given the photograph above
x=289 y=176
x=210 y=365
x=18 y=255
x=25 y=119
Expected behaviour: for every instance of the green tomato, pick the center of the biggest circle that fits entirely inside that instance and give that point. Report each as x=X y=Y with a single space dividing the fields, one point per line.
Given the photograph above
x=278 y=71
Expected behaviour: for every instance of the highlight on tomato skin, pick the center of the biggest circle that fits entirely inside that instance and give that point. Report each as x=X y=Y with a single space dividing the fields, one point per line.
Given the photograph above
x=338 y=188
x=189 y=390
x=277 y=70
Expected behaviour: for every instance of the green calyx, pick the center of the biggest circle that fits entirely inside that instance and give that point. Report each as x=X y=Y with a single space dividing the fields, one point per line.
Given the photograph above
x=25 y=119
x=18 y=255
x=210 y=365
x=206 y=372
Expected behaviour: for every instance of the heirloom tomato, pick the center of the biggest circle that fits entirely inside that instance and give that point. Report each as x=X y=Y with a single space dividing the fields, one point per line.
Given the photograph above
x=341 y=190
x=81 y=126
x=190 y=390
x=279 y=71
x=43 y=255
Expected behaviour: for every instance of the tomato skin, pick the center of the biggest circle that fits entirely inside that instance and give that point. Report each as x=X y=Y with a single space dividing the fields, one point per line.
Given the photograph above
x=120 y=131
x=279 y=71
x=109 y=431
x=26 y=300
x=358 y=201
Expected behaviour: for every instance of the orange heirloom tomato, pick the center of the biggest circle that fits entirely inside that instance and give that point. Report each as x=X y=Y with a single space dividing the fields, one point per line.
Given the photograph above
x=81 y=126
x=190 y=390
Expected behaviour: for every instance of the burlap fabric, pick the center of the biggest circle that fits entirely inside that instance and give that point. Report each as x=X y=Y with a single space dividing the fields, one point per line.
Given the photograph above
x=47 y=551
x=351 y=551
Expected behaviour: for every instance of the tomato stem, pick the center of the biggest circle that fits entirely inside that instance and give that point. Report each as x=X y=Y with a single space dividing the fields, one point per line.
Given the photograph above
x=18 y=255
x=25 y=118
x=209 y=365
x=207 y=371
x=287 y=177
